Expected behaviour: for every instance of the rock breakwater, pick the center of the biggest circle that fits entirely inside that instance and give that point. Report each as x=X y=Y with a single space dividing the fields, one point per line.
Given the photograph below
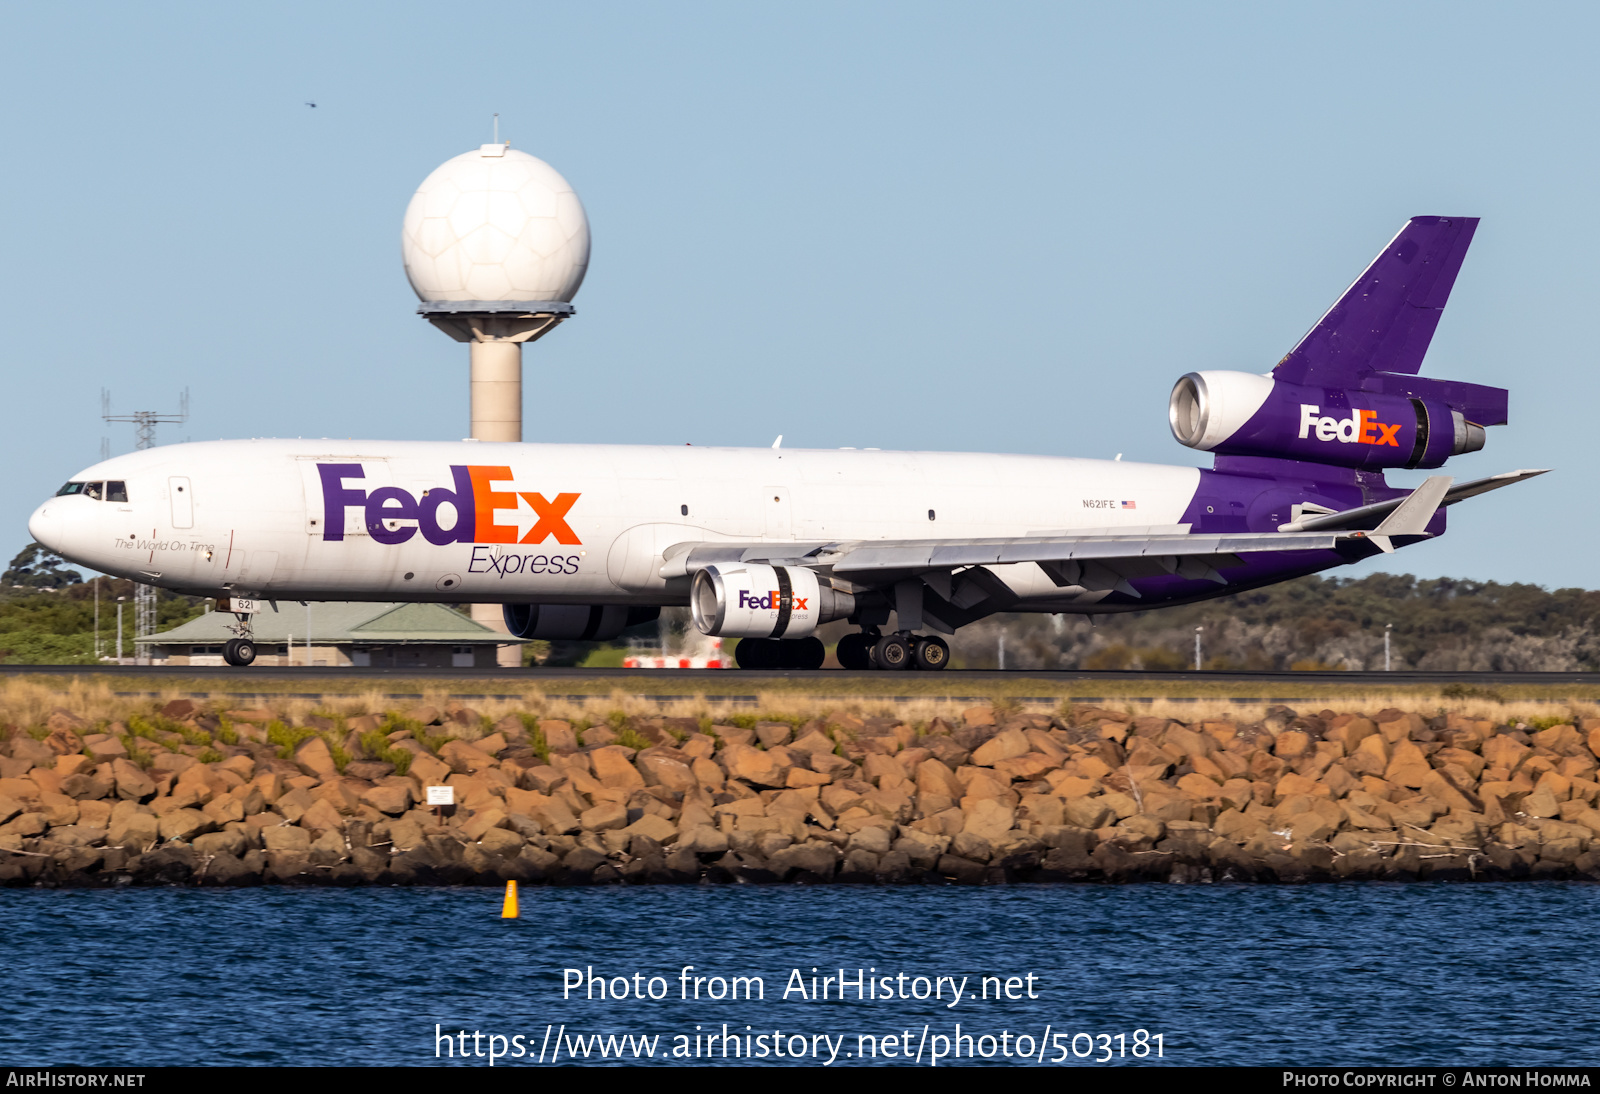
x=195 y=797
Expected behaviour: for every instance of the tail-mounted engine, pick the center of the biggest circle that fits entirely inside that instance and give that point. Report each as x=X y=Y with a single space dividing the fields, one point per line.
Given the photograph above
x=1391 y=421
x=755 y=601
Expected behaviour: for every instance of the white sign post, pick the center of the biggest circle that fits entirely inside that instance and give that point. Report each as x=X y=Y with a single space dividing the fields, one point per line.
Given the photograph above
x=439 y=797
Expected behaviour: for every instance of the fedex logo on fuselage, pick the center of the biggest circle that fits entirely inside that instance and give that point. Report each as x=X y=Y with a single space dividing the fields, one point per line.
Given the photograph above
x=472 y=503
x=1362 y=427
x=773 y=600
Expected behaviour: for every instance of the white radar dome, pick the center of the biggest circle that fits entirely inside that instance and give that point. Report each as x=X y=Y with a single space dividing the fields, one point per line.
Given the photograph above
x=497 y=225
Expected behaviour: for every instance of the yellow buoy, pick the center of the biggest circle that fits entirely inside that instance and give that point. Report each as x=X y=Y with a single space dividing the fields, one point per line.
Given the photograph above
x=509 y=909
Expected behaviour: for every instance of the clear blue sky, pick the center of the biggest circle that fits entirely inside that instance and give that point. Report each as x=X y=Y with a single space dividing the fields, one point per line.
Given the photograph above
x=975 y=227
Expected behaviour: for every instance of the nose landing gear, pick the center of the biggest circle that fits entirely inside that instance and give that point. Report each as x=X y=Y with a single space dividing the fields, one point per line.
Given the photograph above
x=239 y=652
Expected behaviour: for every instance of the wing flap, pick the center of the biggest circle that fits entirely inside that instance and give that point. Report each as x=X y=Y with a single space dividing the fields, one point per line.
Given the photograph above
x=1158 y=554
x=866 y=557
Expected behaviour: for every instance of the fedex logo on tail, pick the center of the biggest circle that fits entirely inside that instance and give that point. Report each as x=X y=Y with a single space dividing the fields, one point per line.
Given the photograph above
x=1362 y=427
x=466 y=512
x=772 y=601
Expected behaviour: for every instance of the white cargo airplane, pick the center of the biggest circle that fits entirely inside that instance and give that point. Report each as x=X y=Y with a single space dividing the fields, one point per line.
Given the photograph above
x=580 y=541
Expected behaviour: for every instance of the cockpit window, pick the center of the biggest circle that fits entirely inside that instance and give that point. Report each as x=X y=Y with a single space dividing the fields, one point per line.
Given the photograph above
x=99 y=491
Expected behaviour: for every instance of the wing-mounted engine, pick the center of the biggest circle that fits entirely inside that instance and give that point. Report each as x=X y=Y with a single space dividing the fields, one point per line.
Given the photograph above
x=1348 y=393
x=578 y=622
x=750 y=600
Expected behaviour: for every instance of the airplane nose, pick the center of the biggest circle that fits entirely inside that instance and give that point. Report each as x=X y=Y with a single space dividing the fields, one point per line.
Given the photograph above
x=45 y=528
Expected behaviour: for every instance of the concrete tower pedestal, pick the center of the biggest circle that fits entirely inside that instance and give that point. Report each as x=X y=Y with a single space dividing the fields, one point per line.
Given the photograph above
x=495 y=333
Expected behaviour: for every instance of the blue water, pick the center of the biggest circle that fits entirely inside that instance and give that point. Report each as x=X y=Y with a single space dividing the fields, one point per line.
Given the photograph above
x=1462 y=975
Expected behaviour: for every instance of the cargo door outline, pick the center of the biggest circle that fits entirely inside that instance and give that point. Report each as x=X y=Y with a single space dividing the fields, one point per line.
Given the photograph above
x=375 y=474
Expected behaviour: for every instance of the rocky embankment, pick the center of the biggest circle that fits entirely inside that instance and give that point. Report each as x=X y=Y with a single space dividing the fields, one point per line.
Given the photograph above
x=184 y=796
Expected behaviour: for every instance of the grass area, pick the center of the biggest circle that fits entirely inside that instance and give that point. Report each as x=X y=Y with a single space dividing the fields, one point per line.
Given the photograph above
x=27 y=700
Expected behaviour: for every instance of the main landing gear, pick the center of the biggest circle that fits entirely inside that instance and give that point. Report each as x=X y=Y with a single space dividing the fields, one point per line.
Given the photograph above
x=779 y=653
x=868 y=650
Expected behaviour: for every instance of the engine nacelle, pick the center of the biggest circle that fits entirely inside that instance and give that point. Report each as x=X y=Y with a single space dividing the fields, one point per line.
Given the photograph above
x=1242 y=414
x=582 y=622
x=754 y=601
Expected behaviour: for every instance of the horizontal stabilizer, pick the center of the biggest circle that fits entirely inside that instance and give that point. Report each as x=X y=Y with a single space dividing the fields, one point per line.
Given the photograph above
x=1493 y=482
x=1367 y=515
x=1385 y=320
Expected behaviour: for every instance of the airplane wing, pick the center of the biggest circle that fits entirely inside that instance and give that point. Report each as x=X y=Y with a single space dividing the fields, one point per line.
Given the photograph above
x=947 y=581
x=1058 y=552
x=1095 y=562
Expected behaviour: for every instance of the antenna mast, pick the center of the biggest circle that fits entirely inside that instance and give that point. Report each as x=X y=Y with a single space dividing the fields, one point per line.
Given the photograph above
x=144 y=433
x=145 y=421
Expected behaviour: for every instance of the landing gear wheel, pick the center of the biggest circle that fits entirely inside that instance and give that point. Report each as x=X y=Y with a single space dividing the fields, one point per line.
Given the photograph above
x=239 y=652
x=854 y=651
x=757 y=653
x=801 y=653
x=892 y=652
x=931 y=653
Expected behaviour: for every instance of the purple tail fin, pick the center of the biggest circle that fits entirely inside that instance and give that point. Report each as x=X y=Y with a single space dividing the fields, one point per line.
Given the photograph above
x=1384 y=322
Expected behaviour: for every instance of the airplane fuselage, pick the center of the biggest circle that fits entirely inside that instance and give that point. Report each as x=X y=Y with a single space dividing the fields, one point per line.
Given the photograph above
x=591 y=524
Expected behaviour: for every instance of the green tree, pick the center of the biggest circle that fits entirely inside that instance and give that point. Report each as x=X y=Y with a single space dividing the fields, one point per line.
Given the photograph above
x=38 y=567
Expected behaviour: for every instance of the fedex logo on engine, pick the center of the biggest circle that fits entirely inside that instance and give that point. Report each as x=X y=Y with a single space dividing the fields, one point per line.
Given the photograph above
x=1362 y=427
x=471 y=506
x=772 y=601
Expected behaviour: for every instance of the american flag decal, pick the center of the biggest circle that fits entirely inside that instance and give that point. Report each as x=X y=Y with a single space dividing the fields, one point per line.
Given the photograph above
x=1130 y=505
